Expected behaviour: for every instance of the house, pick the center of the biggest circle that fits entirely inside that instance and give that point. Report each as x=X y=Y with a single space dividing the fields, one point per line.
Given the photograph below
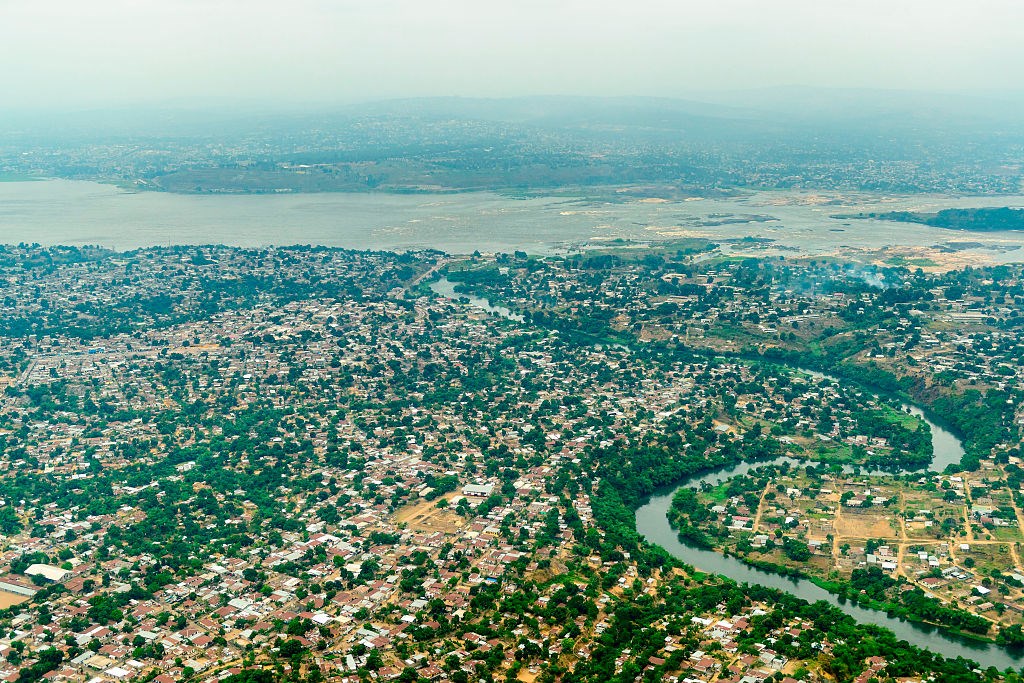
x=48 y=572
x=478 y=490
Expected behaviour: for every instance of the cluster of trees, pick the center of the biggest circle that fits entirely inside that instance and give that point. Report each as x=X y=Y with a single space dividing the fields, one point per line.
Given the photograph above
x=46 y=661
x=687 y=514
x=795 y=549
x=981 y=220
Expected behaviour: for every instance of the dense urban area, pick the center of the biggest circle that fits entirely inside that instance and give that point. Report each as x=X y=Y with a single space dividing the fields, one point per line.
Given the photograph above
x=248 y=465
x=526 y=146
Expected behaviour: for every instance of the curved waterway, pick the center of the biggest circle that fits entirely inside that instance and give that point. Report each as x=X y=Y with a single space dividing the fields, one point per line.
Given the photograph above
x=652 y=523
x=446 y=288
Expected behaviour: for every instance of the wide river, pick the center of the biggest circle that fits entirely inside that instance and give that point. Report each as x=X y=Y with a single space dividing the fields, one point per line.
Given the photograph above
x=79 y=213
x=652 y=523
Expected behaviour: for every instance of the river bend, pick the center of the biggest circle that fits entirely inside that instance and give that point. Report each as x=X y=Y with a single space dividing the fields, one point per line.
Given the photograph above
x=652 y=523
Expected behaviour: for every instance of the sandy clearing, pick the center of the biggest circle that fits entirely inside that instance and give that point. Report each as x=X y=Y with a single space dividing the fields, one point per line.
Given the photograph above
x=11 y=599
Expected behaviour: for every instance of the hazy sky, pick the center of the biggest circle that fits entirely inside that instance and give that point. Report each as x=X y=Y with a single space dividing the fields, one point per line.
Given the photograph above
x=72 y=53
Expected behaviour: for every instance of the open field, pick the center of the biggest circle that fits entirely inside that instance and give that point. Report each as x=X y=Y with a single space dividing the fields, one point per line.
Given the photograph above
x=11 y=599
x=426 y=516
x=863 y=525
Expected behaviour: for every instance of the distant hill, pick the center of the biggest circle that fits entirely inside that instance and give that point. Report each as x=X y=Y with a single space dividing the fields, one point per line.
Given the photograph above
x=796 y=114
x=873 y=141
x=978 y=220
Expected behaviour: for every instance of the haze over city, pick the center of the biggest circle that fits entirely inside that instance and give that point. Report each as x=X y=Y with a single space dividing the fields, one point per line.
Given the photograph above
x=122 y=52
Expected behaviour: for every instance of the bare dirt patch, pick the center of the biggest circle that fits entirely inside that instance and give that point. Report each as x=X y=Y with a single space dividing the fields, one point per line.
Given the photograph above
x=426 y=516
x=11 y=599
x=196 y=349
x=861 y=525
x=526 y=676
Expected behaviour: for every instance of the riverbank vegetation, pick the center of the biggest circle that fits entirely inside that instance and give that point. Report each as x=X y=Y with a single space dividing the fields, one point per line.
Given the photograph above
x=980 y=220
